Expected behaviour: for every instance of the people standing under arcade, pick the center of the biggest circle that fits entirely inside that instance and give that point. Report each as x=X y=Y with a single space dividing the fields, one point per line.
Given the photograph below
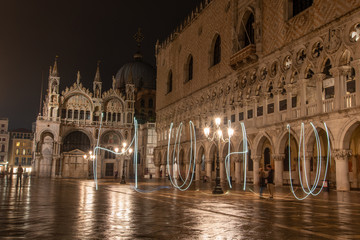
x=262 y=183
x=270 y=180
x=19 y=175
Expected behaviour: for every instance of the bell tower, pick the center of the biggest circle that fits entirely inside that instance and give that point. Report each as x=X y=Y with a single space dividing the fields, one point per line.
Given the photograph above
x=97 y=84
x=53 y=96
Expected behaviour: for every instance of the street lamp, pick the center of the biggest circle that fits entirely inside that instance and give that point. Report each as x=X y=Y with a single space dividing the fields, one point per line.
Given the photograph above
x=91 y=157
x=218 y=137
x=126 y=152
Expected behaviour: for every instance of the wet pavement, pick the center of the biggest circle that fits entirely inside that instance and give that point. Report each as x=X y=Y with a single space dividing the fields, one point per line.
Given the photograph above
x=73 y=209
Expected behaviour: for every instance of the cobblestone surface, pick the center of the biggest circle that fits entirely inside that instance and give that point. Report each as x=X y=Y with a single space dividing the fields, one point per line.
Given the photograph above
x=73 y=209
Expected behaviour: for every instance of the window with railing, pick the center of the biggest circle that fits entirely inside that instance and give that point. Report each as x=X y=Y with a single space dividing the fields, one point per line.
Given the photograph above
x=270 y=108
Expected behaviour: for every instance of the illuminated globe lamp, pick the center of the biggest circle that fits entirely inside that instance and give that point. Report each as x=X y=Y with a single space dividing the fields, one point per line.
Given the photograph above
x=217 y=138
x=126 y=152
x=89 y=156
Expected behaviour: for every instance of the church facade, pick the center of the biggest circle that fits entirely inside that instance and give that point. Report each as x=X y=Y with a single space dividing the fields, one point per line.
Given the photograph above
x=267 y=64
x=69 y=127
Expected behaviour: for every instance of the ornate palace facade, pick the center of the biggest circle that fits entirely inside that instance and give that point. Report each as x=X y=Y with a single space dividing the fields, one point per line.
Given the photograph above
x=69 y=126
x=267 y=64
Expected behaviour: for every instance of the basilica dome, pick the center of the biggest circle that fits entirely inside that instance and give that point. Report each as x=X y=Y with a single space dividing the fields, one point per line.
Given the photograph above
x=137 y=72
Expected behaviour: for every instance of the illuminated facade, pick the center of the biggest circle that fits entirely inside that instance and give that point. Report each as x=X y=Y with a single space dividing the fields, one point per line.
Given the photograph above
x=20 y=151
x=4 y=144
x=267 y=64
x=68 y=127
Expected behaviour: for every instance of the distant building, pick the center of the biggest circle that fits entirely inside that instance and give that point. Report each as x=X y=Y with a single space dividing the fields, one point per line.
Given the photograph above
x=267 y=64
x=20 y=150
x=4 y=144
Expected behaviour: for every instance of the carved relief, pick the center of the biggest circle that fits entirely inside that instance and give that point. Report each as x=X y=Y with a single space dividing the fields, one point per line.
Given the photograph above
x=273 y=69
x=317 y=49
x=334 y=41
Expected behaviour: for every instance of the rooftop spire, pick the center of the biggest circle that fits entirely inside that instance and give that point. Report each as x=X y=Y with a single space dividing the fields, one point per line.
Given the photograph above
x=78 y=78
x=139 y=37
x=54 y=71
x=97 y=74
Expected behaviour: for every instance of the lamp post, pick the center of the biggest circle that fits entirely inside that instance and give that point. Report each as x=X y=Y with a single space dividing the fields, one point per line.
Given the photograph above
x=91 y=157
x=126 y=152
x=217 y=138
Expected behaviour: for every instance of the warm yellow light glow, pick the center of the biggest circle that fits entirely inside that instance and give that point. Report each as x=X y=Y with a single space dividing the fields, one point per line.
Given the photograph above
x=207 y=131
x=85 y=157
x=116 y=149
x=219 y=132
x=217 y=121
x=230 y=132
x=90 y=152
x=124 y=144
x=130 y=150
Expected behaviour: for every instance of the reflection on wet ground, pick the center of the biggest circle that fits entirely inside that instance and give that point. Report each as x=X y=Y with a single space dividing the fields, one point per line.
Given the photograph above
x=73 y=209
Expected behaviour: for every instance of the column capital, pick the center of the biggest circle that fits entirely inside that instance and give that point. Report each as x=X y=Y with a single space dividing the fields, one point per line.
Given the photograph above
x=256 y=158
x=355 y=63
x=278 y=157
x=320 y=76
x=342 y=154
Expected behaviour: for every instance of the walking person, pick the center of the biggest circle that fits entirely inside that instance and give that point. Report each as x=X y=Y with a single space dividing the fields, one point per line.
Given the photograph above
x=262 y=182
x=270 y=180
x=19 y=174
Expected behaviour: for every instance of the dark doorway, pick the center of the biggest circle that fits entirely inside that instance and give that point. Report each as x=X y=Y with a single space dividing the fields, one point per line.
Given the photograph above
x=109 y=170
x=266 y=156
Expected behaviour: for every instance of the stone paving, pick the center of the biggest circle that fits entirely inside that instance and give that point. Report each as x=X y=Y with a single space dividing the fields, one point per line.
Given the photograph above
x=73 y=209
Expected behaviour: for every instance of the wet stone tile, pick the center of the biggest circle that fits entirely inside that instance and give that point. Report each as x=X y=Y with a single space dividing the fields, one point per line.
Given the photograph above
x=74 y=209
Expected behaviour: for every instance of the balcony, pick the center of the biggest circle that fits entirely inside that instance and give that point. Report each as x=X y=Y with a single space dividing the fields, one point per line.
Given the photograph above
x=311 y=109
x=350 y=100
x=328 y=105
x=244 y=56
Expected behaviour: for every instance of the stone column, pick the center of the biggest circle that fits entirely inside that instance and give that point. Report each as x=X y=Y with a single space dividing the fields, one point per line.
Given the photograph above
x=356 y=65
x=197 y=171
x=157 y=170
x=306 y=174
x=342 y=169
x=187 y=166
x=279 y=169
x=222 y=169
x=302 y=86
x=319 y=84
x=256 y=163
x=354 y=171
x=163 y=168
x=289 y=93
x=323 y=168
x=344 y=71
x=208 y=169
x=335 y=72
x=237 y=171
x=277 y=114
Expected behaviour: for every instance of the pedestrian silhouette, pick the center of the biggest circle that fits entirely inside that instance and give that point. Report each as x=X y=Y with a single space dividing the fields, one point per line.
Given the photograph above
x=19 y=174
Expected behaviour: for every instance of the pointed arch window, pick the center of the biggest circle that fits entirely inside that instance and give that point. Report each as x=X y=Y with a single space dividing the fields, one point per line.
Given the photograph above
x=217 y=51
x=328 y=82
x=189 y=68
x=297 y=6
x=170 y=82
x=249 y=30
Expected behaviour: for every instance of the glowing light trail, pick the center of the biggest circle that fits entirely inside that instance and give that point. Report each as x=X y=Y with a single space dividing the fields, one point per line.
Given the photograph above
x=318 y=168
x=187 y=182
x=244 y=153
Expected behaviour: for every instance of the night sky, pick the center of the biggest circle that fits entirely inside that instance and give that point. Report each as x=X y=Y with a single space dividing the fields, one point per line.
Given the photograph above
x=32 y=33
